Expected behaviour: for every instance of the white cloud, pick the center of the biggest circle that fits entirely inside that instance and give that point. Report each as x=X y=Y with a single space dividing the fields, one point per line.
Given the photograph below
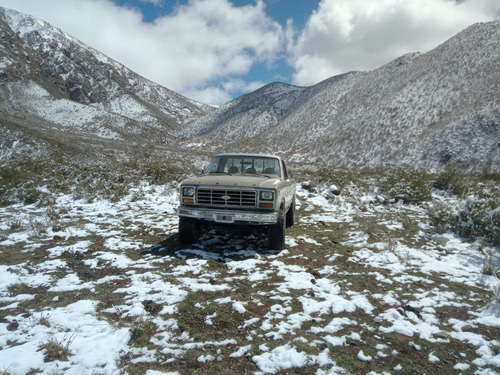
x=154 y=2
x=205 y=47
x=236 y=85
x=347 y=35
x=201 y=42
x=224 y=92
x=211 y=95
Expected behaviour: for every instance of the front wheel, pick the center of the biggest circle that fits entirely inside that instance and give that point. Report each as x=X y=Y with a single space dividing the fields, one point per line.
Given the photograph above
x=276 y=234
x=290 y=215
x=189 y=230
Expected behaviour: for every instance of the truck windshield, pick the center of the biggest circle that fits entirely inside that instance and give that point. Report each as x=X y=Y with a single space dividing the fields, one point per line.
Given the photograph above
x=232 y=164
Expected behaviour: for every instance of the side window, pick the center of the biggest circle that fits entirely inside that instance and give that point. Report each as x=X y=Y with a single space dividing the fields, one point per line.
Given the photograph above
x=285 y=172
x=215 y=165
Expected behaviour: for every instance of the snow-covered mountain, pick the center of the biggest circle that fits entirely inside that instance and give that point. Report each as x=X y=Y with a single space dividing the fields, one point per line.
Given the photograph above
x=421 y=110
x=52 y=83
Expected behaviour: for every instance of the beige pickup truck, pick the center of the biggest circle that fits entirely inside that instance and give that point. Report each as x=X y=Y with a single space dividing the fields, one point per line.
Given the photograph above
x=239 y=189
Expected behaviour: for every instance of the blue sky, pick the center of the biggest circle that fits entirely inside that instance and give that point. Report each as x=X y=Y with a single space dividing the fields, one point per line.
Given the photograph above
x=215 y=50
x=282 y=11
x=279 y=10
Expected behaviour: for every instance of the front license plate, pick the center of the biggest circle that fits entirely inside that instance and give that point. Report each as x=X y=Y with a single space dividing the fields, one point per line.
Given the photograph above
x=224 y=218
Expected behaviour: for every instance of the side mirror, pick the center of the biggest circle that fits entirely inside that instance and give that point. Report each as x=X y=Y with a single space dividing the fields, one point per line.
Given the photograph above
x=203 y=170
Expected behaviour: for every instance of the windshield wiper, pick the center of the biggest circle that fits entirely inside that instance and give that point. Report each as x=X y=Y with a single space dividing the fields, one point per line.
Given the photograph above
x=255 y=174
x=226 y=173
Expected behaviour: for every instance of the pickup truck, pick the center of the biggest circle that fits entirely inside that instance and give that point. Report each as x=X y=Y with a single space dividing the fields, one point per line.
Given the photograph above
x=239 y=189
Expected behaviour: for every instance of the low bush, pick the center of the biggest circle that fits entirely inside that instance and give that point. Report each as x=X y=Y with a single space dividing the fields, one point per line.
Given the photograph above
x=18 y=182
x=451 y=180
x=477 y=216
x=338 y=177
x=35 y=181
x=412 y=186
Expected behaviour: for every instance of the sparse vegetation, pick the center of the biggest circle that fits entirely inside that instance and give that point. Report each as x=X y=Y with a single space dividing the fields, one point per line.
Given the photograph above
x=451 y=180
x=28 y=181
x=141 y=333
x=57 y=349
x=230 y=300
x=476 y=216
x=384 y=270
x=409 y=186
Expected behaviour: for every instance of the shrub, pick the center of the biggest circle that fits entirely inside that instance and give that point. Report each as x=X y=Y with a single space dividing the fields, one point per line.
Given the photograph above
x=442 y=217
x=476 y=217
x=451 y=180
x=141 y=334
x=160 y=172
x=38 y=225
x=338 y=177
x=412 y=186
x=19 y=180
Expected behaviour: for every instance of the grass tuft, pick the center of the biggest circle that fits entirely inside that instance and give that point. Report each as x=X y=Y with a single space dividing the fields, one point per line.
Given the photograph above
x=57 y=350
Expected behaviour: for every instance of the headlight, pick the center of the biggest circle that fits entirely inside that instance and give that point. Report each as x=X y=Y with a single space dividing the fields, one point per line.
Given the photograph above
x=267 y=195
x=188 y=191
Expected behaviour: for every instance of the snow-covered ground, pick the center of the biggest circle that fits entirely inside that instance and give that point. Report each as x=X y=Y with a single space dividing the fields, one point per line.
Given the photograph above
x=361 y=288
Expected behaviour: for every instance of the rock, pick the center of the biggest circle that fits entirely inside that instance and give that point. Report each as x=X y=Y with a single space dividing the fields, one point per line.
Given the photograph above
x=313 y=272
x=467 y=328
x=88 y=275
x=152 y=307
x=415 y=346
x=306 y=185
x=440 y=335
x=413 y=310
x=401 y=198
x=13 y=326
x=442 y=241
x=334 y=190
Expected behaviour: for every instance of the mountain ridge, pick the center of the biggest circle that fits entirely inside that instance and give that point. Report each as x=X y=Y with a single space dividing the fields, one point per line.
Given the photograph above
x=425 y=111
x=419 y=110
x=60 y=84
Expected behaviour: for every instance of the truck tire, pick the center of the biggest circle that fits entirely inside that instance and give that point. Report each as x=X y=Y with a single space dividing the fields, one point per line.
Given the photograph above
x=290 y=215
x=189 y=230
x=276 y=234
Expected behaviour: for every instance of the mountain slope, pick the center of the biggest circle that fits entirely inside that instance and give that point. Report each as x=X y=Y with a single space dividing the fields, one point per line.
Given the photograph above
x=259 y=110
x=420 y=110
x=57 y=82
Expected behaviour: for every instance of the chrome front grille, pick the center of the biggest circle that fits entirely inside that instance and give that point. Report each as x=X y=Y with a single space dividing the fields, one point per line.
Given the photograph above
x=227 y=198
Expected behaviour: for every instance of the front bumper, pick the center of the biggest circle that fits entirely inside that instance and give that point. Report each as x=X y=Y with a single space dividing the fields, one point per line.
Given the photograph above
x=229 y=216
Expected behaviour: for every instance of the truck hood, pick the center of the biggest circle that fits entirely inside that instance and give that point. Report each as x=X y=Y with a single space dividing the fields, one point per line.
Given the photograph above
x=233 y=181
